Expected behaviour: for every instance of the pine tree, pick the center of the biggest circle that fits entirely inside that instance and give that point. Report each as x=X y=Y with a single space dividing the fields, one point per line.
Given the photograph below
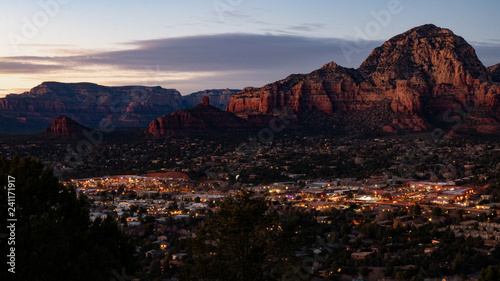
x=243 y=240
x=55 y=239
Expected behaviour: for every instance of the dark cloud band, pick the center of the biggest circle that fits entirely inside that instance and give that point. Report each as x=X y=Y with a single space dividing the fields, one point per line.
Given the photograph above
x=250 y=59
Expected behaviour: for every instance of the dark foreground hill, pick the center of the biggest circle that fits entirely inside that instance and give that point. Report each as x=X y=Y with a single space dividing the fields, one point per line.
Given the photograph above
x=202 y=118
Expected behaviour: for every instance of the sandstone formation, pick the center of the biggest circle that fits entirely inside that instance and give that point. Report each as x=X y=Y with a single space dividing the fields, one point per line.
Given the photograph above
x=202 y=118
x=418 y=80
x=88 y=104
x=64 y=126
x=494 y=72
x=205 y=101
x=218 y=98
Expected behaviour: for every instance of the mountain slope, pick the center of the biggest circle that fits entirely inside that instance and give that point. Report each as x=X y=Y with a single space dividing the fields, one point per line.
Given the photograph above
x=494 y=73
x=202 y=118
x=415 y=81
x=89 y=104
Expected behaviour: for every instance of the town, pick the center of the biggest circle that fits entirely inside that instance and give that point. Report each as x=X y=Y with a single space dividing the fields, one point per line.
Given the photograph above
x=375 y=206
x=162 y=210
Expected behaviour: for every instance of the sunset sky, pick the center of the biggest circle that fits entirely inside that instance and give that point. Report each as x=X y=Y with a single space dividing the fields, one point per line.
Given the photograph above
x=196 y=45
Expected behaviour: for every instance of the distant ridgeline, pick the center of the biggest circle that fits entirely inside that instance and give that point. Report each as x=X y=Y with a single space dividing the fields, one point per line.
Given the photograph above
x=88 y=104
x=421 y=80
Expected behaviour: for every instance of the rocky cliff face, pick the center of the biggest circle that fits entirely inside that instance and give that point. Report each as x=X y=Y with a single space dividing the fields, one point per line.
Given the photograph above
x=64 y=126
x=494 y=72
x=88 y=104
x=202 y=118
x=414 y=81
x=218 y=98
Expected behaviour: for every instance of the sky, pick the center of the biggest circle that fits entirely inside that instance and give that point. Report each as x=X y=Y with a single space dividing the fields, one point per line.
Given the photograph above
x=214 y=44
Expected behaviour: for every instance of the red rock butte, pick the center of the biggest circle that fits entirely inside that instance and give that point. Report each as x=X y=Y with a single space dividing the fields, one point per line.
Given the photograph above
x=201 y=118
x=205 y=101
x=415 y=81
x=64 y=126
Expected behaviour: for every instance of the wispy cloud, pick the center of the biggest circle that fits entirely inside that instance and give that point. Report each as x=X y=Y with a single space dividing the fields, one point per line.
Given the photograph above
x=199 y=62
x=28 y=67
x=224 y=52
x=307 y=27
x=193 y=63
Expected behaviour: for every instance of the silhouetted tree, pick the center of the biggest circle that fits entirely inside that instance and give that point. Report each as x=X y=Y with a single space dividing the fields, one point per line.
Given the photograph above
x=416 y=210
x=243 y=240
x=436 y=211
x=490 y=273
x=55 y=239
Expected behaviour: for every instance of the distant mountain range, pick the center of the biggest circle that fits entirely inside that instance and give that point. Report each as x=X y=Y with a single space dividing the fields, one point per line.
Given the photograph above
x=423 y=79
x=88 y=104
x=202 y=119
